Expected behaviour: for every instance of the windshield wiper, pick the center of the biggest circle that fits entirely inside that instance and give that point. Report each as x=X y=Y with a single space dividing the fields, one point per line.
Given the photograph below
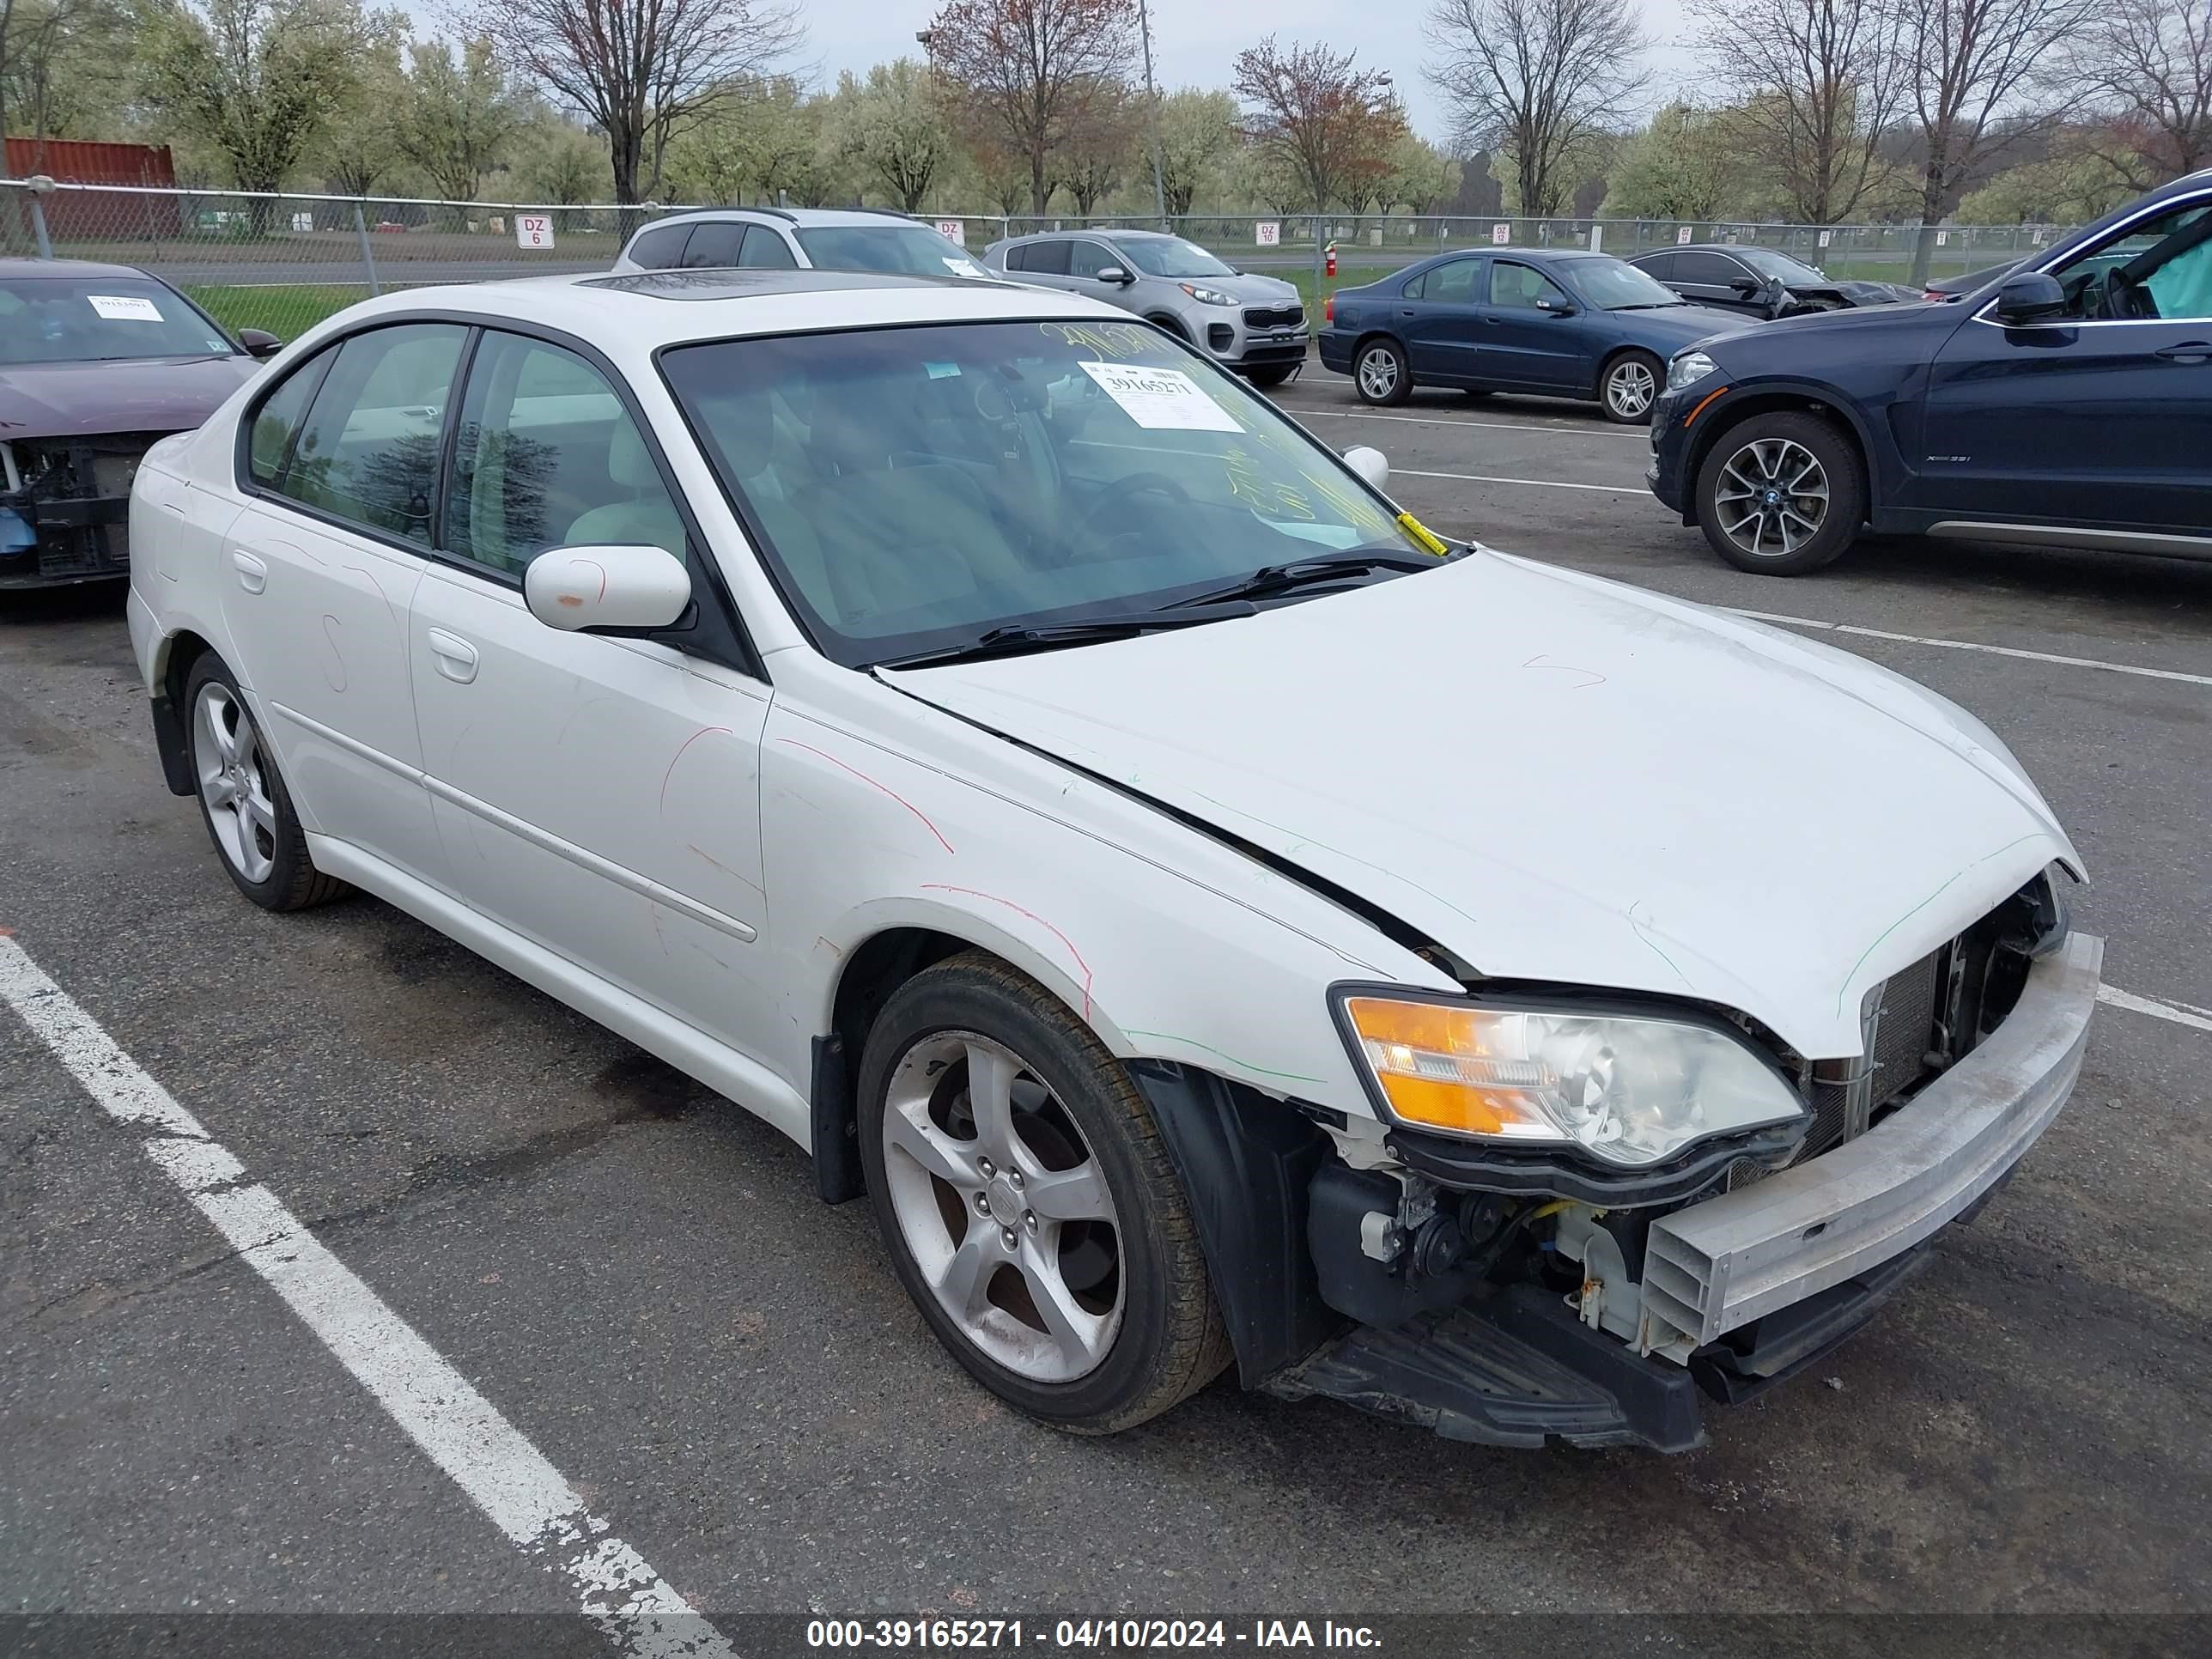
x=1271 y=579
x=1013 y=639
x=1650 y=305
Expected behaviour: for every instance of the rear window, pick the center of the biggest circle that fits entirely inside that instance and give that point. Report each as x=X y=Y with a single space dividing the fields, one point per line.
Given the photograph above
x=660 y=248
x=84 y=320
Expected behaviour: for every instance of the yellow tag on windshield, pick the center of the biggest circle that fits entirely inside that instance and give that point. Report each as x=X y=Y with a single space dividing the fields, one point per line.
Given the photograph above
x=1424 y=537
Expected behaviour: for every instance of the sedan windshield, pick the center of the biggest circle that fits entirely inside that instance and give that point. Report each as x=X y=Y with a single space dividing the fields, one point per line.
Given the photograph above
x=77 y=320
x=1612 y=284
x=1767 y=263
x=915 y=489
x=904 y=250
x=1170 y=256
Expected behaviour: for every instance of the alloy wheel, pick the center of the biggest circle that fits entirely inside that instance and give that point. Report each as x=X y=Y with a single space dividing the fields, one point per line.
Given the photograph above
x=233 y=782
x=1629 y=388
x=1003 y=1206
x=1772 y=498
x=1378 y=374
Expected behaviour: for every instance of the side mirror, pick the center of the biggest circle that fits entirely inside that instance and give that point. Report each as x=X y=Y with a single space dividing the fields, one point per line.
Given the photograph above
x=1745 y=284
x=1370 y=463
x=259 y=343
x=2030 y=297
x=579 y=589
x=1556 y=307
x=1113 y=274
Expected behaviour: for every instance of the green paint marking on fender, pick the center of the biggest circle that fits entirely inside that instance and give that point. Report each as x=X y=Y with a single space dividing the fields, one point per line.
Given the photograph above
x=1192 y=1042
x=1919 y=908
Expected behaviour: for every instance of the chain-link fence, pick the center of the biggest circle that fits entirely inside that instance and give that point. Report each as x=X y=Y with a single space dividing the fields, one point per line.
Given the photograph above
x=283 y=262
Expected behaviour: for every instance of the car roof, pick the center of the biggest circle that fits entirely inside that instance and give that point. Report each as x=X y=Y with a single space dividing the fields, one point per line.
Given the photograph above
x=798 y=218
x=1089 y=230
x=63 y=268
x=636 y=314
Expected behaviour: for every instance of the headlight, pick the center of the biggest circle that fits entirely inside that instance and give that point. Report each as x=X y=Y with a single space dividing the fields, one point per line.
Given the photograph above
x=1631 y=1090
x=1689 y=366
x=1209 y=296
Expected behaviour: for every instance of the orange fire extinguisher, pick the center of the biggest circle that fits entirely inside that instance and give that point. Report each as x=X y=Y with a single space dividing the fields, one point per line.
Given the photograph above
x=1331 y=259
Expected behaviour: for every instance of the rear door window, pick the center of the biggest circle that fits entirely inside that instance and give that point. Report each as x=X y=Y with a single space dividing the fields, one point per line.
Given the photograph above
x=712 y=245
x=1452 y=283
x=367 y=451
x=1045 y=258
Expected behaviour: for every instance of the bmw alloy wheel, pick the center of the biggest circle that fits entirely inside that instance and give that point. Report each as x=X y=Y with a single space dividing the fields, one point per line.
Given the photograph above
x=226 y=752
x=1004 y=1206
x=1773 y=498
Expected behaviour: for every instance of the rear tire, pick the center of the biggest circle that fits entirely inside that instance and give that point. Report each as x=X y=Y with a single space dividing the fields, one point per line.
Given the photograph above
x=247 y=810
x=1099 y=1314
x=1381 y=374
x=1781 y=493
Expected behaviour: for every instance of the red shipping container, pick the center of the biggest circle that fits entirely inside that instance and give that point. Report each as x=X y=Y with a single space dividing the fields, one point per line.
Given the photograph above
x=100 y=216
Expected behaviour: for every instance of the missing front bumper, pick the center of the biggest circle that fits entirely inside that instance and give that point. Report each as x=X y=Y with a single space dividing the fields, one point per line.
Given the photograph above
x=1719 y=1265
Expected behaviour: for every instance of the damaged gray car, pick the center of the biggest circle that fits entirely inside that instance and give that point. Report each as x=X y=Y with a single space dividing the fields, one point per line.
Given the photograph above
x=97 y=362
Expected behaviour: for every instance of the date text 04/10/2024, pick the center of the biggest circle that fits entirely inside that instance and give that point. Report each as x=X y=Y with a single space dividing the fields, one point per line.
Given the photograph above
x=1084 y=1634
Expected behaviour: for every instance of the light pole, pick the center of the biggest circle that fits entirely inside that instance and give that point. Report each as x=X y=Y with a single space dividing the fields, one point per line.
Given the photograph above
x=1152 y=109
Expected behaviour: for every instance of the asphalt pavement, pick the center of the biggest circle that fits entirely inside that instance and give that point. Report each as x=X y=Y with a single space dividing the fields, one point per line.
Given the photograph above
x=640 y=1278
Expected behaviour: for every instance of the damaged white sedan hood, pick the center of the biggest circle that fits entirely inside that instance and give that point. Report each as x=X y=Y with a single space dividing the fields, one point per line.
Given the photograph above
x=1562 y=779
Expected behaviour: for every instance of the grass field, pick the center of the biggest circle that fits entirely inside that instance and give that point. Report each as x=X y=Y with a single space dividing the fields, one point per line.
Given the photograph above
x=286 y=311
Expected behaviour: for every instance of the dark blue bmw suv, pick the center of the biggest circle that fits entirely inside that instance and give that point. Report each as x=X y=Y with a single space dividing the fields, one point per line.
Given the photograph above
x=2067 y=402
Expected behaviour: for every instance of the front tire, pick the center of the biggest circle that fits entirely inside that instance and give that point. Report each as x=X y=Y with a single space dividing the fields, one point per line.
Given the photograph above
x=243 y=801
x=1629 y=386
x=1381 y=374
x=1028 y=1205
x=1274 y=374
x=1781 y=493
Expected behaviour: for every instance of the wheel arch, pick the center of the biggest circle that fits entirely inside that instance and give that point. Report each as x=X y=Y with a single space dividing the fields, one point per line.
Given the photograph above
x=174 y=655
x=885 y=950
x=1170 y=321
x=1733 y=413
x=1613 y=354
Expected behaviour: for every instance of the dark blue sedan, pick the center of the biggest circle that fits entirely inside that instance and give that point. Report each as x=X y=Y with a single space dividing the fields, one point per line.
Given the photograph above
x=1514 y=319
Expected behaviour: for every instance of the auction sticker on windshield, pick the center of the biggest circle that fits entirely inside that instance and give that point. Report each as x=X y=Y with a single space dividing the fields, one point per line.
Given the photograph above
x=1162 y=400
x=125 y=308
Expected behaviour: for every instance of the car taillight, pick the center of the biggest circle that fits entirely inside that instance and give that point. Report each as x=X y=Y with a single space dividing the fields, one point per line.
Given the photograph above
x=1328 y=309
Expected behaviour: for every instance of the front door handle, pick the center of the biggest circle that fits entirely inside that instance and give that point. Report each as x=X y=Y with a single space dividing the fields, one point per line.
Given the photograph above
x=455 y=656
x=252 y=573
x=2188 y=351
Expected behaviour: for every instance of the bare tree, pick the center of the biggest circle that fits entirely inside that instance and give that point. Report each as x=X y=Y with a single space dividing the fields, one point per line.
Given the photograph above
x=1316 y=117
x=2149 y=63
x=1970 y=71
x=1816 y=85
x=640 y=71
x=1028 y=71
x=1539 y=79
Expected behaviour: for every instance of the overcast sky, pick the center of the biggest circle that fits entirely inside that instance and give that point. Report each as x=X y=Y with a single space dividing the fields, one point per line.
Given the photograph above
x=1196 y=42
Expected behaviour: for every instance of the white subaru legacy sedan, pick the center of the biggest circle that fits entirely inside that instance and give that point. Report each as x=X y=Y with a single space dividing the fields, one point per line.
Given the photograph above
x=1211 y=919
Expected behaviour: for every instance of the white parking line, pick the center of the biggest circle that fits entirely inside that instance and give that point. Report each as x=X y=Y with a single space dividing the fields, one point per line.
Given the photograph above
x=1537 y=483
x=506 y=1476
x=2180 y=1013
x=1974 y=645
x=1487 y=426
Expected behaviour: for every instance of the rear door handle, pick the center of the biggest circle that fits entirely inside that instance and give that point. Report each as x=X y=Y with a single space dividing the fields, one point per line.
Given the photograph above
x=2189 y=351
x=456 y=658
x=252 y=573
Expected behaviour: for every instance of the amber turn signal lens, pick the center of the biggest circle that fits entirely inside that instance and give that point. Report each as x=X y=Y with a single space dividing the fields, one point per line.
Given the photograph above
x=1437 y=1070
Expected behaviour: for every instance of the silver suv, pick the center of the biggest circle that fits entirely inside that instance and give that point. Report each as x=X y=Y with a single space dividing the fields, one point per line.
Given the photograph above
x=828 y=239
x=1254 y=325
